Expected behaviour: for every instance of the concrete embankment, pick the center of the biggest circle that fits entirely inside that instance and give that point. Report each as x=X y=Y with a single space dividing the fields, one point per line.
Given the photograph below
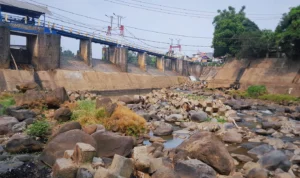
x=278 y=75
x=87 y=80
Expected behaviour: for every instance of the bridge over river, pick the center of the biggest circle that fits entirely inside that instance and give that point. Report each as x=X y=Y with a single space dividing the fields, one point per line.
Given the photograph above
x=43 y=41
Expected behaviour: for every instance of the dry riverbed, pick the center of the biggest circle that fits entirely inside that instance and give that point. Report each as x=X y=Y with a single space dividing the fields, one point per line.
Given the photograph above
x=182 y=132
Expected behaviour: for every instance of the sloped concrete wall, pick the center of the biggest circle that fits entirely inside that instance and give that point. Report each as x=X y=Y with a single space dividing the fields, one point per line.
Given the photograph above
x=278 y=75
x=87 y=80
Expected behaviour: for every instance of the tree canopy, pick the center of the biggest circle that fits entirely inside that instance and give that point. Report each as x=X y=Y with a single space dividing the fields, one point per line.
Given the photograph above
x=288 y=33
x=229 y=25
x=240 y=37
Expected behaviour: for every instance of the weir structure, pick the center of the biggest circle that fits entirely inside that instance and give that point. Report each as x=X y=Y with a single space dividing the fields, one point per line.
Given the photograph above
x=43 y=42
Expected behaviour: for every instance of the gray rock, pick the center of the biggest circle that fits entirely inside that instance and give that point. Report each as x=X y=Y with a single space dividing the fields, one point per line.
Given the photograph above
x=271 y=125
x=205 y=146
x=6 y=124
x=275 y=159
x=257 y=173
x=22 y=144
x=29 y=121
x=24 y=157
x=19 y=127
x=232 y=136
x=84 y=173
x=109 y=144
x=122 y=166
x=162 y=129
x=62 y=114
x=65 y=141
x=200 y=116
x=174 y=118
x=67 y=127
x=7 y=166
x=261 y=149
x=194 y=168
x=19 y=113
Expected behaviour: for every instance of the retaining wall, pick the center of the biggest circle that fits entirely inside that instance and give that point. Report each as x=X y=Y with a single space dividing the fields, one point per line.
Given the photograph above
x=87 y=80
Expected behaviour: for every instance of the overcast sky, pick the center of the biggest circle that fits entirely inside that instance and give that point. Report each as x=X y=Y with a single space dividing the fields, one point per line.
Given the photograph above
x=265 y=13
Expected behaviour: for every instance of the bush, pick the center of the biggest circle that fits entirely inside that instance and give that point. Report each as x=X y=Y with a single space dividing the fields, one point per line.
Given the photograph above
x=38 y=129
x=85 y=113
x=126 y=121
x=6 y=100
x=122 y=120
x=256 y=90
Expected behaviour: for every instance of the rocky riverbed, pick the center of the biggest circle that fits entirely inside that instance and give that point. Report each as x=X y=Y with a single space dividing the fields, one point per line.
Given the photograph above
x=190 y=132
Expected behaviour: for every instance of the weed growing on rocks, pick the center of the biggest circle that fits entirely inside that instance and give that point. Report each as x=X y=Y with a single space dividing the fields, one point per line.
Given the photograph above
x=122 y=120
x=85 y=113
x=39 y=129
x=256 y=90
x=6 y=100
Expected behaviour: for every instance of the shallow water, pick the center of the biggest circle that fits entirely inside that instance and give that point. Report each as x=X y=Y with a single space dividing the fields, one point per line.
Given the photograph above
x=171 y=141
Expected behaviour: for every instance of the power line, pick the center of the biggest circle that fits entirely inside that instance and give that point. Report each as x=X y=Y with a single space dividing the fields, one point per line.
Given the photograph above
x=193 y=10
x=169 y=12
x=172 y=11
x=132 y=27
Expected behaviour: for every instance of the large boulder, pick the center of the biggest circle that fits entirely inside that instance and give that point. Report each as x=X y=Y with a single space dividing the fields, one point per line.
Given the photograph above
x=199 y=116
x=20 y=113
x=22 y=144
x=194 y=168
x=57 y=97
x=109 y=144
x=275 y=159
x=23 y=87
x=6 y=124
x=62 y=114
x=232 y=136
x=51 y=99
x=205 y=146
x=67 y=127
x=162 y=128
x=62 y=142
x=238 y=104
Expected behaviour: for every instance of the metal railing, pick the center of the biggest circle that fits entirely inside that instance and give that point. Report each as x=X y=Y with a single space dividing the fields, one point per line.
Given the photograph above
x=52 y=26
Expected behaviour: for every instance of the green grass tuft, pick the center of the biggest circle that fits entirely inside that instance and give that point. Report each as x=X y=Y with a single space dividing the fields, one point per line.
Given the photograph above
x=256 y=90
x=6 y=100
x=38 y=129
x=279 y=98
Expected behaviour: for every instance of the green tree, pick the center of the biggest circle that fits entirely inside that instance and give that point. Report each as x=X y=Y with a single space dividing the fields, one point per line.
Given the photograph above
x=256 y=43
x=288 y=33
x=151 y=61
x=132 y=57
x=67 y=53
x=229 y=25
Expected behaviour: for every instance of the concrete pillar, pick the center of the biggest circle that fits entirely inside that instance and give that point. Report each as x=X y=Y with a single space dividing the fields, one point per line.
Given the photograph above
x=160 y=63
x=142 y=61
x=45 y=51
x=119 y=57
x=168 y=65
x=173 y=65
x=185 y=68
x=4 y=47
x=85 y=51
x=179 y=65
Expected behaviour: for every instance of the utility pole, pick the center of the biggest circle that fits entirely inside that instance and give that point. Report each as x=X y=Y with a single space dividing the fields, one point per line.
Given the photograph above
x=121 y=27
x=178 y=45
x=109 y=28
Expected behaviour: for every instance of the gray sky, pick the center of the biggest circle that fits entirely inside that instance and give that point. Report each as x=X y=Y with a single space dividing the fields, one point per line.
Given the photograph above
x=165 y=22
